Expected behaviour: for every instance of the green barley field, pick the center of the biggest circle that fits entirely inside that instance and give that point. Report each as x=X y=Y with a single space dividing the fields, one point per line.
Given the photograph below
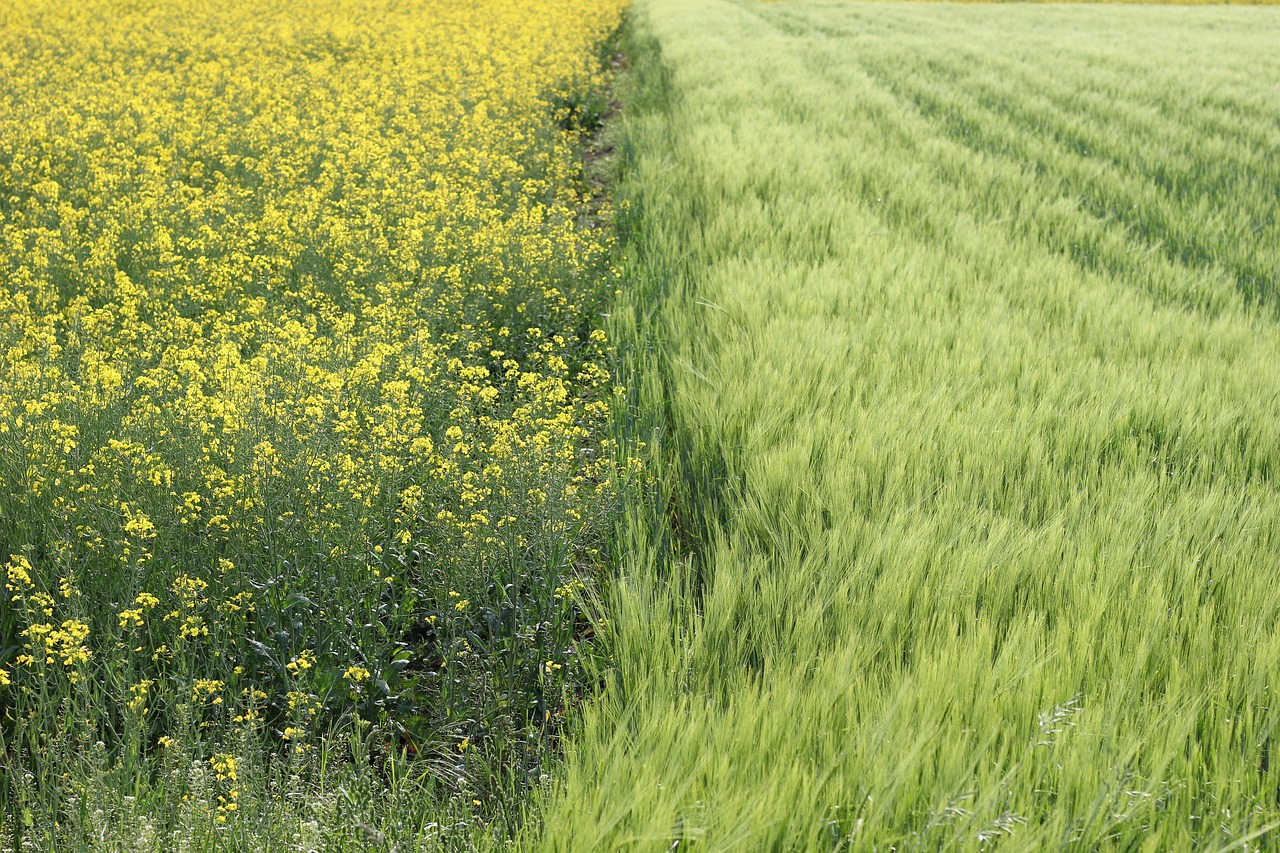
x=957 y=328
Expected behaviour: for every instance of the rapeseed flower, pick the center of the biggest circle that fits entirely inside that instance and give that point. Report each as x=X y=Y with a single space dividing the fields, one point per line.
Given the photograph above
x=298 y=333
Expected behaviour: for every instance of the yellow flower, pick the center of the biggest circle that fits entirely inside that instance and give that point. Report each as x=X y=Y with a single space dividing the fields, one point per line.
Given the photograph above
x=224 y=767
x=137 y=523
x=18 y=575
x=207 y=688
x=189 y=589
x=64 y=644
x=301 y=663
x=138 y=702
x=356 y=673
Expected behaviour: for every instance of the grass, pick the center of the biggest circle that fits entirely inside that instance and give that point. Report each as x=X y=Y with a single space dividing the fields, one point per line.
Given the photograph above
x=954 y=330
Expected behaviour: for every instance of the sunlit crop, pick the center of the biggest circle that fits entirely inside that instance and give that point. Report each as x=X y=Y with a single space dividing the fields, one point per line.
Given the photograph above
x=961 y=321
x=302 y=385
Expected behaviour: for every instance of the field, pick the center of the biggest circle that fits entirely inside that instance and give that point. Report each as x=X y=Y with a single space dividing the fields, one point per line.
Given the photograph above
x=959 y=328
x=869 y=439
x=304 y=462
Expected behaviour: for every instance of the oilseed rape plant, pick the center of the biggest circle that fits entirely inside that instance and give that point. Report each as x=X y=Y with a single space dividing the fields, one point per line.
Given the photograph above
x=304 y=406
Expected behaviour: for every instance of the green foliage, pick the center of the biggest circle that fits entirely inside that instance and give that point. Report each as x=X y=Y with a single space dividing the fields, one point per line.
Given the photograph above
x=958 y=329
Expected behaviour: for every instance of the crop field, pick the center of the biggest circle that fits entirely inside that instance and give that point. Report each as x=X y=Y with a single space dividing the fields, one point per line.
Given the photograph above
x=887 y=458
x=958 y=325
x=304 y=467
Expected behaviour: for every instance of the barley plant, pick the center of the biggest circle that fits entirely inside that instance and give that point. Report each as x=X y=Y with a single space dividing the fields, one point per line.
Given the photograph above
x=305 y=472
x=959 y=324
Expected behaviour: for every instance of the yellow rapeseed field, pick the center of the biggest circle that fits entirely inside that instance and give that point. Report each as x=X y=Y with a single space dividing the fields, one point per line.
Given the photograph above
x=301 y=376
